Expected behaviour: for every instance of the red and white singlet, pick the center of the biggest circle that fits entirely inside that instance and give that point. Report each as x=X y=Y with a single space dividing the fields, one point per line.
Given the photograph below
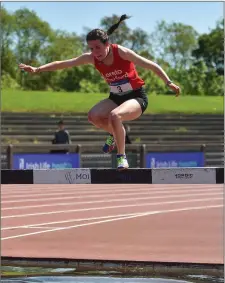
x=121 y=76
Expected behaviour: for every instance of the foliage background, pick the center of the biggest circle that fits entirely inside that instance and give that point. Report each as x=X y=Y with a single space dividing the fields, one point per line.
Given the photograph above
x=195 y=62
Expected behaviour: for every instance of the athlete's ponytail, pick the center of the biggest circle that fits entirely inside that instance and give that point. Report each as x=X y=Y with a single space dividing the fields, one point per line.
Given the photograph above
x=103 y=36
x=115 y=26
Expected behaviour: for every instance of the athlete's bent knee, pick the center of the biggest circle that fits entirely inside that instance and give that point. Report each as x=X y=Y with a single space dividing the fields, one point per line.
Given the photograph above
x=114 y=116
x=97 y=119
x=92 y=117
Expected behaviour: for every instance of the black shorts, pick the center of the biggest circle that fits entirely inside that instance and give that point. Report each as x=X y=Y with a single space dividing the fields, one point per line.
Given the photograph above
x=138 y=94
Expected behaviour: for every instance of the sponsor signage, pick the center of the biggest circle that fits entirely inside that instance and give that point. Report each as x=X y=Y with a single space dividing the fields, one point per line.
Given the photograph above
x=64 y=176
x=27 y=161
x=184 y=176
x=175 y=159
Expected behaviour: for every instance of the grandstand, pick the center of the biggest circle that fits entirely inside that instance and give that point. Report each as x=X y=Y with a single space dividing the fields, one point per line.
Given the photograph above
x=159 y=133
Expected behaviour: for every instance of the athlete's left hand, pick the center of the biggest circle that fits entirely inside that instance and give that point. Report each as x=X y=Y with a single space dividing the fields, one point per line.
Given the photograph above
x=175 y=88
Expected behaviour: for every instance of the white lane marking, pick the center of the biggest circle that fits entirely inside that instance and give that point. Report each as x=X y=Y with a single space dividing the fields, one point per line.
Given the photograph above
x=107 y=207
x=80 y=187
x=33 y=227
x=58 y=194
x=111 y=200
x=27 y=227
x=146 y=191
x=93 y=191
x=78 y=220
x=63 y=190
x=100 y=195
x=111 y=220
x=71 y=220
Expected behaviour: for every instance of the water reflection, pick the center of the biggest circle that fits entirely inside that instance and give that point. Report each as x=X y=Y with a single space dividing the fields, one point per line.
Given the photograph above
x=70 y=275
x=84 y=279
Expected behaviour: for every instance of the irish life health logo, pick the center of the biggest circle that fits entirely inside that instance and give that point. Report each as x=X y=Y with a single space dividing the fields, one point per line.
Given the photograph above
x=21 y=163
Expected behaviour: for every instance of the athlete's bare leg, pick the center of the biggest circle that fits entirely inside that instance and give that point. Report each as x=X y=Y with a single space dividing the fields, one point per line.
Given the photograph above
x=98 y=115
x=129 y=110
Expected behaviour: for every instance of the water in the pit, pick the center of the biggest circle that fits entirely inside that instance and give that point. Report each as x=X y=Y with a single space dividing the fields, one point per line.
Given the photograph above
x=66 y=275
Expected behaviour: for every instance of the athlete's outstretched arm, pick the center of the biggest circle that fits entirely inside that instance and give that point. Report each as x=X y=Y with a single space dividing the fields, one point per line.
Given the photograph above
x=85 y=58
x=138 y=60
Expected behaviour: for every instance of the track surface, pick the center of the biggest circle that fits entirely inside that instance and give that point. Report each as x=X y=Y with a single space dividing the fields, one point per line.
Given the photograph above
x=168 y=223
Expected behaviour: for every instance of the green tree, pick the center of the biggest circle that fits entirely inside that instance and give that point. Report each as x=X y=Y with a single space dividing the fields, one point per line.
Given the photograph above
x=174 y=43
x=8 y=58
x=193 y=79
x=211 y=48
x=63 y=46
x=194 y=62
x=32 y=34
x=139 y=42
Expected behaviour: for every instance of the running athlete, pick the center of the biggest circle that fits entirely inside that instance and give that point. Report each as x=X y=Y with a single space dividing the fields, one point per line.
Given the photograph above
x=127 y=99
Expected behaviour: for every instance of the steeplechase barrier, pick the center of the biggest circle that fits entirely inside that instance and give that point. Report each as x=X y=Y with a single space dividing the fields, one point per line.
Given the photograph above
x=192 y=175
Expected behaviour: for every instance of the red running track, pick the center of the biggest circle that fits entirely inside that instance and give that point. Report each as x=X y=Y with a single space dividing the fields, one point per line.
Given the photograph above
x=167 y=223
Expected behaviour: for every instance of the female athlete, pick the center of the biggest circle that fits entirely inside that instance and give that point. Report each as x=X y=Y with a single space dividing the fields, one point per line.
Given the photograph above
x=127 y=99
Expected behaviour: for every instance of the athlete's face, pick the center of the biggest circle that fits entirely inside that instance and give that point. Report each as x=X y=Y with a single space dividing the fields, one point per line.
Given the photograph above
x=98 y=49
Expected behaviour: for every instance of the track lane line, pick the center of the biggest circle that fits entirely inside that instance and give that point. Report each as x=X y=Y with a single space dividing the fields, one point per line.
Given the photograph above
x=108 y=207
x=93 y=196
x=96 y=191
x=112 y=220
x=111 y=200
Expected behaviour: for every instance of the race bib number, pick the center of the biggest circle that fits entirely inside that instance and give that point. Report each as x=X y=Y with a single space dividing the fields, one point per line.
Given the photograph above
x=121 y=87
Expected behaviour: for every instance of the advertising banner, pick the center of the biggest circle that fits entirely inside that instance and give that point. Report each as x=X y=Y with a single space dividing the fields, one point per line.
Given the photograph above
x=174 y=159
x=65 y=176
x=24 y=161
x=184 y=176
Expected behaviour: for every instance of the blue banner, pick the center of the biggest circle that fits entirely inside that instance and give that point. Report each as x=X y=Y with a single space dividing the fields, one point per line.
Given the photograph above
x=46 y=161
x=175 y=159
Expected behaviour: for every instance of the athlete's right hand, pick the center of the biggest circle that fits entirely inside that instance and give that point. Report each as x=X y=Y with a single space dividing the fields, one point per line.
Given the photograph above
x=28 y=68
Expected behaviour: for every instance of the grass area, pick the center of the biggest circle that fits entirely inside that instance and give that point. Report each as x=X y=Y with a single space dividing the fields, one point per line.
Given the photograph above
x=64 y=102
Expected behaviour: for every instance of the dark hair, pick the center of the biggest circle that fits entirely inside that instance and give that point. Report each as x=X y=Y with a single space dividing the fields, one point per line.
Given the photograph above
x=61 y=122
x=101 y=34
